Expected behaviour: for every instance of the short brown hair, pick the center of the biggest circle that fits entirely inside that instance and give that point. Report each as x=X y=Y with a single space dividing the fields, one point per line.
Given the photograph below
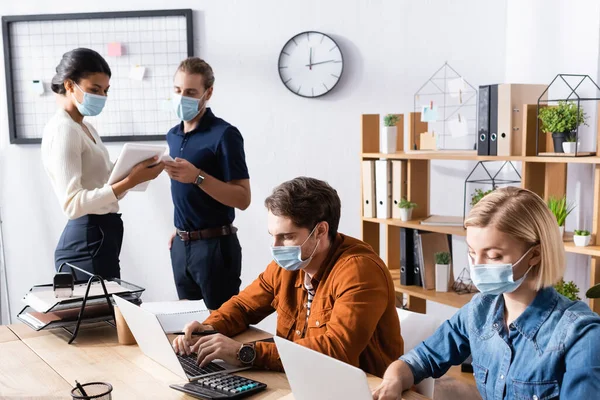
x=306 y=201
x=195 y=65
x=523 y=215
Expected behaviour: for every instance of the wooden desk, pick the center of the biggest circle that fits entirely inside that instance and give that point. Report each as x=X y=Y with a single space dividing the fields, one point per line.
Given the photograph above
x=42 y=363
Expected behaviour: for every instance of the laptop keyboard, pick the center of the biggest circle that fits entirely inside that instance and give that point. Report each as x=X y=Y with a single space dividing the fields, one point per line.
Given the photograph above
x=191 y=367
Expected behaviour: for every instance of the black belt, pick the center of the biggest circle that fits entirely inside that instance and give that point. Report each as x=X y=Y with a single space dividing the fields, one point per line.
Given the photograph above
x=208 y=233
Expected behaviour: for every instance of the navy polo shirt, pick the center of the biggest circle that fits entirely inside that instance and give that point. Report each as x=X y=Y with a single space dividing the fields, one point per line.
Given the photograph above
x=217 y=148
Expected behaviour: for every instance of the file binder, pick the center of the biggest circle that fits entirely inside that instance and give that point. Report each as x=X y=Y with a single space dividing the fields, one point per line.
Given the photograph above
x=368 y=182
x=383 y=188
x=398 y=186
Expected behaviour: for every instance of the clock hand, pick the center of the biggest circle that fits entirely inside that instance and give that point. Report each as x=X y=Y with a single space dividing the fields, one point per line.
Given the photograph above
x=322 y=62
x=310 y=64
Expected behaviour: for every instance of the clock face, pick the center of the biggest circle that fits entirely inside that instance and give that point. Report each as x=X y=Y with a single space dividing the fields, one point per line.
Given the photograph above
x=310 y=64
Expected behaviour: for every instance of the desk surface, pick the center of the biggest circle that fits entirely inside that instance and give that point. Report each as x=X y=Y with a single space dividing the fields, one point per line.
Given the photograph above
x=42 y=363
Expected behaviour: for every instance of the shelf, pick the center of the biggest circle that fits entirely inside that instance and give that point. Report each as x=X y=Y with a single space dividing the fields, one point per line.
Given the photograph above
x=416 y=224
x=570 y=247
x=470 y=155
x=449 y=298
x=593 y=251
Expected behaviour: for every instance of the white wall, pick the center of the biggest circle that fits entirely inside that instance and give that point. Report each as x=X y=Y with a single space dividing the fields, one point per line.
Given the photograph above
x=549 y=37
x=390 y=48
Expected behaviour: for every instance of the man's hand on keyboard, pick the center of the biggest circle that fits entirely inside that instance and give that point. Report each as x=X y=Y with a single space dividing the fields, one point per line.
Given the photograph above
x=217 y=347
x=183 y=344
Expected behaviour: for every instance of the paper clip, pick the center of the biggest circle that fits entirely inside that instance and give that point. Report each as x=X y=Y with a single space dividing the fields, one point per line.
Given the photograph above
x=431 y=104
x=459 y=117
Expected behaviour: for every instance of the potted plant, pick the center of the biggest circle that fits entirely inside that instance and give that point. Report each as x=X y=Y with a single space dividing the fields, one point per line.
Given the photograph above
x=389 y=136
x=570 y=143
x=478 y=195
x=562 y=121
x=406 y=209
x=568 y=289
x=581 y=238
x=561 y=209
x=442 y=271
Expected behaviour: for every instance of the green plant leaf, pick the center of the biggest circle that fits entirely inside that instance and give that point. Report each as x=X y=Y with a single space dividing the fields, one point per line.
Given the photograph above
x=442 y=258
x=478 y=195
x=560 y=208
x=567 y=289
x=563 y=118
x=406 y=204
x=390 y=120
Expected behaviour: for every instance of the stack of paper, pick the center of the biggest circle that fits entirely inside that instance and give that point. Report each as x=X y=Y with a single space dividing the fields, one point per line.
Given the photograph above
x=174 y=315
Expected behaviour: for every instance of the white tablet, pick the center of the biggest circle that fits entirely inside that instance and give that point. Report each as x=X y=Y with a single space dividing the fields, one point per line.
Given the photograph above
x=131 y=155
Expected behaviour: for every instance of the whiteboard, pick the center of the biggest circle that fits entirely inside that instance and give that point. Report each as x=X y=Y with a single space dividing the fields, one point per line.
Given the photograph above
x=136 y=109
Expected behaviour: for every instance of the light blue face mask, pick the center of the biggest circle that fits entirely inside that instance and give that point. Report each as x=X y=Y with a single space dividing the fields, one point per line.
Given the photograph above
x=91 y=105
x=496 y=279
x=186 y=107
x=290 y=257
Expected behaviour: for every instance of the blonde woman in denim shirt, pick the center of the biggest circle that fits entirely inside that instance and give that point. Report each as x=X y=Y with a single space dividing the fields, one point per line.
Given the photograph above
x=527 y=341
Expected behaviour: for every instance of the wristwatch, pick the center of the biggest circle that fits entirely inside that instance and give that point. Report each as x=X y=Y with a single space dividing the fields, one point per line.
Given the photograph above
x=247 y=354
x=199 y=179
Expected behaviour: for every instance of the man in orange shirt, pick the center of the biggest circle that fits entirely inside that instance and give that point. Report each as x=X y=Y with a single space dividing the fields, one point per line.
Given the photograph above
x=332 y=293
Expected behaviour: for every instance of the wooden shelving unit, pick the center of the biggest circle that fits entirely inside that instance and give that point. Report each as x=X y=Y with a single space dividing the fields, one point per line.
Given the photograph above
x=544 y=175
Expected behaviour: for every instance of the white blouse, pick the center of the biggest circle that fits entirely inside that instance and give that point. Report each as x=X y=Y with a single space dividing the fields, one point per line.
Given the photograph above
x=78 y=168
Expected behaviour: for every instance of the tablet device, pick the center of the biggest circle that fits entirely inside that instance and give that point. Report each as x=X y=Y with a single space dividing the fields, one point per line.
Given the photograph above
x=131 y=155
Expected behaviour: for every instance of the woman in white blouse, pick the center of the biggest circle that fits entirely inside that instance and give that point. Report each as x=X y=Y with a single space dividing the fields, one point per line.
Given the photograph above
x=79 y=166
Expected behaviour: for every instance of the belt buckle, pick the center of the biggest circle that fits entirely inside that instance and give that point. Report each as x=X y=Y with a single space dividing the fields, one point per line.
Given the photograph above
x=184 y=235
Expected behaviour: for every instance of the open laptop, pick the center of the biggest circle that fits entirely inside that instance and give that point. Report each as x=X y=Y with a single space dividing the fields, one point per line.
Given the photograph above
x=330 y=379
x=155 y=344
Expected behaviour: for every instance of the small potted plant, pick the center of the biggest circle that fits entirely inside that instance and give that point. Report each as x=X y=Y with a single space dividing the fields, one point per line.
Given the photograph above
x=478 y=195
x=581 y=238
x=406 y=208
x=561 y=209
x=442 y=271
x=389 y=137
x=562 y=121
x=570 y=143
x=568 y=289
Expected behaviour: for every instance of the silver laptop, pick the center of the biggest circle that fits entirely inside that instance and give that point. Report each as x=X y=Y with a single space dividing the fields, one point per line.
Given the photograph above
x=155 y=344
x=330 y=379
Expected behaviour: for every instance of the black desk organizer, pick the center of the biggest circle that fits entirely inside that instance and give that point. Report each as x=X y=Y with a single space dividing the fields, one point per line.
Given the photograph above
x=132 y=294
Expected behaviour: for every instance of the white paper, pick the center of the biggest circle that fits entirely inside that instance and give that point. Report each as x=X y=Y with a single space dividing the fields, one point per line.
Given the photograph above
x=428 y=114
x=137 y=73
x=456 y=86
x=174 y=315
x=173 y=307
x=458 y=128
x=37 y=87
x=42 y=299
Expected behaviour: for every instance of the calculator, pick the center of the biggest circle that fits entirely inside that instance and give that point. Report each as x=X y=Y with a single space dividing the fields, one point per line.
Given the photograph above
x=221 y=386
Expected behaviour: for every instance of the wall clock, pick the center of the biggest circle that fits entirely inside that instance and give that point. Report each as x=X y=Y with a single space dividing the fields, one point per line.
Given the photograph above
x=311 y=64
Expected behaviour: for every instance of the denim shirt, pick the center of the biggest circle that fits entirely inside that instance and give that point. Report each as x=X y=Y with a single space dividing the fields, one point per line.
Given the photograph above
x=552 y=350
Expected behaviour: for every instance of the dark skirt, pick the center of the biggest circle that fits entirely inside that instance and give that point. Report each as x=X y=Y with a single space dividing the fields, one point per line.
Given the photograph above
x=92 y=243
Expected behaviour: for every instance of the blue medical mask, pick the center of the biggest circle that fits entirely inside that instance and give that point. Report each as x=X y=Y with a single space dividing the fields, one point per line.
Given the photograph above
x=91 y=105
x=496 y=279
x=187 y=108
x=290 y=257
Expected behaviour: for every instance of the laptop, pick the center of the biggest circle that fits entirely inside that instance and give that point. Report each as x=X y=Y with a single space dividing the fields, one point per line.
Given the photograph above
x=155 y=344
x=330 y=379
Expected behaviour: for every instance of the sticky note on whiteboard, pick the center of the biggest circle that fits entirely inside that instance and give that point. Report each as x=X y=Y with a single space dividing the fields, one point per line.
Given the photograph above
x=37 y=87
x=115 y=49
x=137 y=73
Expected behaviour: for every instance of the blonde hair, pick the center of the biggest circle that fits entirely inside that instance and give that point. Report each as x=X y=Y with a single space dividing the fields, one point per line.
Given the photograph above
x=523 y=215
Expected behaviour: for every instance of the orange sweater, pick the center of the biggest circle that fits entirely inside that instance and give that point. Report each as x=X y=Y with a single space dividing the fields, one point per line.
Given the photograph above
x=353 y=314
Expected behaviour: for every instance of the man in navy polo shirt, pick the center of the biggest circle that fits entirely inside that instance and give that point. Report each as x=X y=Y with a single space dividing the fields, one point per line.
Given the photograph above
x=209 y=179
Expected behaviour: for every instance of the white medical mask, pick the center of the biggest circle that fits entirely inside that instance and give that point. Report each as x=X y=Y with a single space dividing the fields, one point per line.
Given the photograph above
x=187 y=108
x=496 y=279
x=91 y=105
x=290 y=257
